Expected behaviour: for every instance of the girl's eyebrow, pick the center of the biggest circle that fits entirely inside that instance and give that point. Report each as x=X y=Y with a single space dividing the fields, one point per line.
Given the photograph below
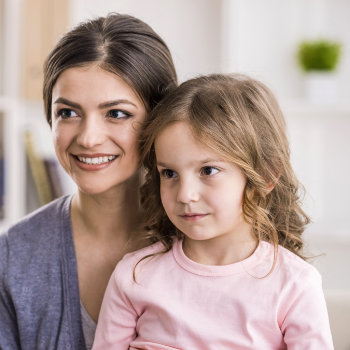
x=195 y=162
x=101 y=105
x=211 y=160
x=161 y=164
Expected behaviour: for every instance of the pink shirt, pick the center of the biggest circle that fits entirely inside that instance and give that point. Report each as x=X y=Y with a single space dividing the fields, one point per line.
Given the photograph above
x=180 y=304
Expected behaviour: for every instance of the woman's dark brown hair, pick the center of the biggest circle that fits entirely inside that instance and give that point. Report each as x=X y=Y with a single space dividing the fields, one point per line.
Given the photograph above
x=121 y=44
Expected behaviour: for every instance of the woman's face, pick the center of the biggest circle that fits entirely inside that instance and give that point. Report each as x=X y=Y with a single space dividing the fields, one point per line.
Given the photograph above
x=96 y=118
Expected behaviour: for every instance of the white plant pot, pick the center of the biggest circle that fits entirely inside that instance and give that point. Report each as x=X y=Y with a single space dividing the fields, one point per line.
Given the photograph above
x=321 y=87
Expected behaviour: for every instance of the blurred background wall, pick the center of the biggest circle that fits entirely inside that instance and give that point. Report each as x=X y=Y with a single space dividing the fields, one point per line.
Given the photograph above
x=256 y=37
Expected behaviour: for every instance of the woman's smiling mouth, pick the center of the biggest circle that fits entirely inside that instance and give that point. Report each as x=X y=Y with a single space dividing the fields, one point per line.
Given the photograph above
x=93 y=162
x=96 y=160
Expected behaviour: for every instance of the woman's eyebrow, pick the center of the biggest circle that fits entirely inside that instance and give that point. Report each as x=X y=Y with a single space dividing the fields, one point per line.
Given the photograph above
x=101 y=105
x=68 y=103
x=115 y=103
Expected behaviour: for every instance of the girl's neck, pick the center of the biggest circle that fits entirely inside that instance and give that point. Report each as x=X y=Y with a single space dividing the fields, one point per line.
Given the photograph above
x=223 y=250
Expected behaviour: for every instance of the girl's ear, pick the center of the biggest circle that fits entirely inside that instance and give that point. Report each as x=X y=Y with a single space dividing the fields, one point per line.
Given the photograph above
x=271 y=185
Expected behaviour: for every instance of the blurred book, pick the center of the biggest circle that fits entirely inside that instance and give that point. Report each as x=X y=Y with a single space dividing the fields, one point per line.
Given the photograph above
x=2 y=183
x=2 y=167
x=38 y=170
x=51 y=167
x=46 y=180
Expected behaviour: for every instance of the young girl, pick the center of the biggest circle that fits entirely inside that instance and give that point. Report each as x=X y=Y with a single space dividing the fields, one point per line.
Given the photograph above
x=221 y=200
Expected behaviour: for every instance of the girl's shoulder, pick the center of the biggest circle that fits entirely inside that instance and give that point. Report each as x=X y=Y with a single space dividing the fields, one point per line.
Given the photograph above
x=147 y=260
x=137 y=255
x=290 y=264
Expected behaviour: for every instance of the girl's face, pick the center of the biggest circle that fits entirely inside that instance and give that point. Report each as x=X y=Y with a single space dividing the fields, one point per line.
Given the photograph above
x=96 y=118
x=201 y=193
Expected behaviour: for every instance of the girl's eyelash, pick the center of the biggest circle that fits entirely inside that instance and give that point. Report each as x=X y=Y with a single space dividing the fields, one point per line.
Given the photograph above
x=204 y=171
x=208 y=170
x=167 y=173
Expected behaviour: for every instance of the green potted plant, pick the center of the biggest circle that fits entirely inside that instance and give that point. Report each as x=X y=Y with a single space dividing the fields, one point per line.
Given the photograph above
x=319 y=60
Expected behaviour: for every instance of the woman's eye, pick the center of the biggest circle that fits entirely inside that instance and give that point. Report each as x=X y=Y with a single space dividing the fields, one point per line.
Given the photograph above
x=118 y=114
x=209 y=170
x=66 y=113
x=168 y=173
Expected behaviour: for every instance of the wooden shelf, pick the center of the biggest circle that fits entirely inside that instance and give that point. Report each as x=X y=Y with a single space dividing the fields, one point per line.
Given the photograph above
x=28 y=31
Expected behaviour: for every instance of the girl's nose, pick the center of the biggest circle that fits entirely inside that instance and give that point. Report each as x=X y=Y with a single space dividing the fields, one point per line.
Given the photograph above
x=188 y=191
x=92 y=132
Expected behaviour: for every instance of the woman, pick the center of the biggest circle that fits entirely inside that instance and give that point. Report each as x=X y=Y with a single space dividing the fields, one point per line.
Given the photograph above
x=100 y=82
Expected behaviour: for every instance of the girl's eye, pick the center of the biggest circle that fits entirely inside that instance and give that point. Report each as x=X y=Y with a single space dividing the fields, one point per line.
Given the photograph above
x=118 y=114
x=168 y=173
x=66 y=113
x=209 y=171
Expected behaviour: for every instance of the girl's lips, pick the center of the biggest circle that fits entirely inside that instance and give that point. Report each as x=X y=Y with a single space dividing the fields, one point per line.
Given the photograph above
x=193 y=216
x=94 y=162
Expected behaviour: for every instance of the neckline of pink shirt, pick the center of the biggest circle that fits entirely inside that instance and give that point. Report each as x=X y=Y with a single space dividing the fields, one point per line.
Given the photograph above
x=219 y=270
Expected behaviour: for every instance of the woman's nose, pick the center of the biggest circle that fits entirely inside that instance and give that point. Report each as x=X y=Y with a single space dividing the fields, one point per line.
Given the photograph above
x=92 y=132
x=188 y=191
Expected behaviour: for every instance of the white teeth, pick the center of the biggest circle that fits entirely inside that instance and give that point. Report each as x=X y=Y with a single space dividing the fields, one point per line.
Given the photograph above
x=96 y=160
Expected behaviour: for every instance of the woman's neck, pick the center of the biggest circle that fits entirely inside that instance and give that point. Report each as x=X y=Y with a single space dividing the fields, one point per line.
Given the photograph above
x=114 y=212
x=103 y=231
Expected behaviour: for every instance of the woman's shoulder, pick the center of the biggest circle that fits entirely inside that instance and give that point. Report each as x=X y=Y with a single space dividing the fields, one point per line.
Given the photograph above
x=43 y=222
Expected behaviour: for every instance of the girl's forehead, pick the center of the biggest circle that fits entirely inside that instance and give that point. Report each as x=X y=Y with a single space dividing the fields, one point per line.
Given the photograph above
x=181 y=134
x=173 y=127
x=184 y=127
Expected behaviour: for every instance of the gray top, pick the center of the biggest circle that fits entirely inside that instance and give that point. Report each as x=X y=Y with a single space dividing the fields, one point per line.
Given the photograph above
x=39 y=292
x=89 y=327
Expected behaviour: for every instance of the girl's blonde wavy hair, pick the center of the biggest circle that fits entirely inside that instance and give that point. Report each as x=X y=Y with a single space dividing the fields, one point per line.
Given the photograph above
x=240 y=119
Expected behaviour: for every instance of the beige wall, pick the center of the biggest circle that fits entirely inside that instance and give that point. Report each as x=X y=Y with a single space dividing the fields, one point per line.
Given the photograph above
x=192 y=29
